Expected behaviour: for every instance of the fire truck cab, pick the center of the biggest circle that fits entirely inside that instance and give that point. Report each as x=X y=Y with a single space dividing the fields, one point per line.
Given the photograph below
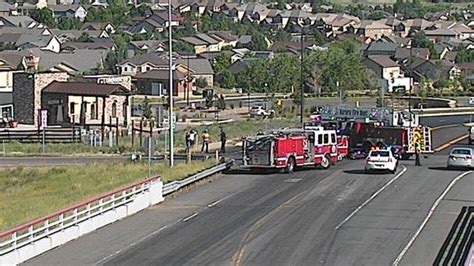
x=324 y=143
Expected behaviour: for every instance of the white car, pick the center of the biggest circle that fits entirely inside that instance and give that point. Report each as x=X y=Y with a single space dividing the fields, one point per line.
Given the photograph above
x=461 y=157
x=260 y=111
x=382 y=159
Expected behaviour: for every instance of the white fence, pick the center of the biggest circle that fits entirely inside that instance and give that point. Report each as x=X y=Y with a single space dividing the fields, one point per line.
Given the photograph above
x=36 y=237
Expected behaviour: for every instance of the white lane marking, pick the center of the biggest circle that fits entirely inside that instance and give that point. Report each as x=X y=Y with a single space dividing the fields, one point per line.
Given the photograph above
x=430 y=213
x=371 y=198
x=210 y=205
x=132 y=244
x=190 y=217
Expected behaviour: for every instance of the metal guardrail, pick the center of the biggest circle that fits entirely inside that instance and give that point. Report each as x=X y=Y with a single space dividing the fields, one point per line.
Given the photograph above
x=63 y=135
x=46 y=226
x=460 y=240
x=176 y=185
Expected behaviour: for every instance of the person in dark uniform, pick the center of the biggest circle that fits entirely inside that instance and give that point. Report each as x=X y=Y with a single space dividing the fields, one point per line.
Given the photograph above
x=223 y=137
x=417 y=154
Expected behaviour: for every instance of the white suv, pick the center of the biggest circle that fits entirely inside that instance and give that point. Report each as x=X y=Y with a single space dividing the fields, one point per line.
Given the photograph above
x=382 y=159
x=260 y=111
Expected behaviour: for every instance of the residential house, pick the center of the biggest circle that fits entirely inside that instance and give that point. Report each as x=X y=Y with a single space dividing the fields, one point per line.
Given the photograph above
x=144 y=47
x=241 y=65
x=467 y=69
x=98 y=26
x=86 y=103
x=27 y=89
x=379 y=48
x=155 y=22
x=371 y=29
x=73 y=35
x=402 y=54
x=383 y=66
x=10 y=63
x=74 y=62
x=156 y=83
x=73 y=46
x=199 y=69
x=334 y=24
x=439 y=35
x=47 y=43
x=463 y=31
x=202 y=42
x=238 y=54
x=389 y=73
x=252 y=11
x=296 y=16
x=416 y=25
x=397 y=26
x=6 y=9
x=19 y=21
x=141 y=64
x=435 y=70
x=69 y=11
x=226 y=38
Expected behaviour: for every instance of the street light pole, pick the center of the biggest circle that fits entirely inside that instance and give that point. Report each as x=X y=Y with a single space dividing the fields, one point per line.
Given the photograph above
x=170 y=88
x=187 y=83
x=301 y=78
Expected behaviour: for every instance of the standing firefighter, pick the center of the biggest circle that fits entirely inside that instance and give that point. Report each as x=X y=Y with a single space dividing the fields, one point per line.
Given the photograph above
x=223 y=140
x=417 y=154
x=205 y=141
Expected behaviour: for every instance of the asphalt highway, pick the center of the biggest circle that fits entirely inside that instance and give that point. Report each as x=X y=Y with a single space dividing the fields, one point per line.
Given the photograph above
x=340 y=216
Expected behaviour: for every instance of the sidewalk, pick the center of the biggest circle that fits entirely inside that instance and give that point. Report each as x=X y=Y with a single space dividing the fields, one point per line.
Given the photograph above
x=426 y=247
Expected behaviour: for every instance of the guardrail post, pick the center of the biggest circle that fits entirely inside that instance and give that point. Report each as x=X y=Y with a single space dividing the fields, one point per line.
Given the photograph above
x=61 y=219
x=112 y=200
x=101 y=205
x=74 y=213
x=217 y=156
x=30 y=233
x=46 y=226
x=88 y=208
x=14 y=244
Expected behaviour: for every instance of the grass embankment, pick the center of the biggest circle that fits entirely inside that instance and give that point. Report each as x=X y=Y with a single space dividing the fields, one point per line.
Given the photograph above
x=236 y=129
x=233 y=130
x=27 y=193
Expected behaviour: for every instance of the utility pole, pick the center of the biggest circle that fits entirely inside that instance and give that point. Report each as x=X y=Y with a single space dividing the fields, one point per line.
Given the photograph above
x=187 y=82
x=411 y=84
x=170 y=88
x=301 y=73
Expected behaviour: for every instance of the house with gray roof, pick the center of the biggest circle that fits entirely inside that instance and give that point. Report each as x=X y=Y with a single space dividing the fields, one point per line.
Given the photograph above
x=6 y=9
x=380 y=48
x=142 y=63
x=200 y=68
x=385 y=67
x=10 y=62
x=69 y=11
x=19 y=21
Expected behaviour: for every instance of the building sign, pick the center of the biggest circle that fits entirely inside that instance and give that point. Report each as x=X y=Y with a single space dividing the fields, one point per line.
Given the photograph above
x=43 y=118
x=471 y=100
x=349 y=113
x=114 y=80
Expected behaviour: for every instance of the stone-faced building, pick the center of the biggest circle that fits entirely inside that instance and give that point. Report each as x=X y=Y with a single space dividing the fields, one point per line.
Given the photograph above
x=27 y=89
x=86 y=103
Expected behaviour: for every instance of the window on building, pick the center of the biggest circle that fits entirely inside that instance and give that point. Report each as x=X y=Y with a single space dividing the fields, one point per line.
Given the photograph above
x=114 y=109
x=333 y=138
x=326 y=138
x=72 y=108
x=94 y=110
x=156 y=88
x=320 y=139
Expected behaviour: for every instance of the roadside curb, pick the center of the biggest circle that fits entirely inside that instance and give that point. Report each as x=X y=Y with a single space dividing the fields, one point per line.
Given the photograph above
x=449 y=143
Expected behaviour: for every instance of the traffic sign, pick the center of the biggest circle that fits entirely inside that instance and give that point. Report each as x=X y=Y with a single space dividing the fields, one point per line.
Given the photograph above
x=471 y=100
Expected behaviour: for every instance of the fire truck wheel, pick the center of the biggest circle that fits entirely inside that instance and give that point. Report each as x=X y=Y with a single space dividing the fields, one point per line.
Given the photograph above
x=326 y=162
x=290 y=165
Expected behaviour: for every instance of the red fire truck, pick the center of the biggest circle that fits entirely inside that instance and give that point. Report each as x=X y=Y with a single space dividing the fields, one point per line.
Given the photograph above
x=292 y=148
x=366 y=135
